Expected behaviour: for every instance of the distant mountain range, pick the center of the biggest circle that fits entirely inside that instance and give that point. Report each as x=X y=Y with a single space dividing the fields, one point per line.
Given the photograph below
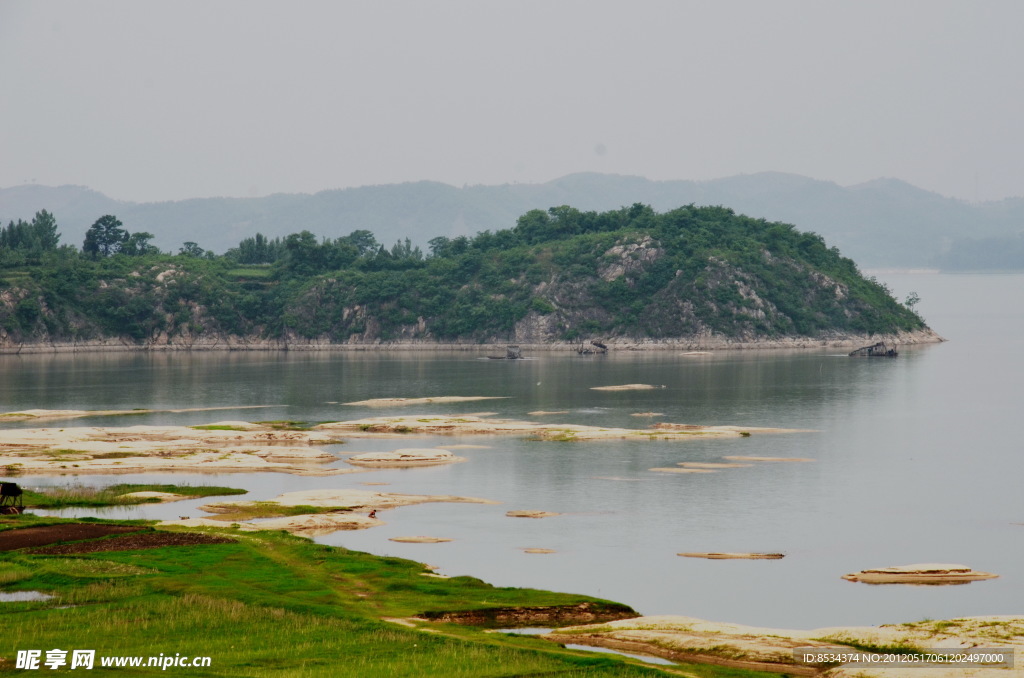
x=881 y=223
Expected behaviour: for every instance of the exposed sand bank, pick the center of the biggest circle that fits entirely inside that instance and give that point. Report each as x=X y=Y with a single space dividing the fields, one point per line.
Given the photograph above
x=473 y=425
x=531 y=514
x=44 y=415
x=163 y=497
x=140 y=449
x=769 y=459
x=696 y=640
x=400 y=402
x=347 y=510
x=307 y=525
x=351 y=499
x=405 y=458
x=625 y=387
x=922 y=574
x=710 y=555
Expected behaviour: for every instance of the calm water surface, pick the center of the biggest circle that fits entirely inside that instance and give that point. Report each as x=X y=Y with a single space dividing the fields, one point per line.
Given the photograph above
x=918 y=459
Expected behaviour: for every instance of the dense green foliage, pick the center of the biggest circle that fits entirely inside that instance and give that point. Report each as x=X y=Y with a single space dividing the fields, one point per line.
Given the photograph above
x=557 y=275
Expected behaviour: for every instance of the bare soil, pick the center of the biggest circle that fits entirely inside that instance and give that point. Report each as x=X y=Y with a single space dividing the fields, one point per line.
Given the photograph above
x=87 y=538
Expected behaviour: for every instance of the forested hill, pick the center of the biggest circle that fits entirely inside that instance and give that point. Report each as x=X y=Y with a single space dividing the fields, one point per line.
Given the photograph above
x=693 y=274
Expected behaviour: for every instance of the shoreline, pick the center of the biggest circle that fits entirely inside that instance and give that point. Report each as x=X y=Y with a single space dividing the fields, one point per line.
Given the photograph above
x=706 y=342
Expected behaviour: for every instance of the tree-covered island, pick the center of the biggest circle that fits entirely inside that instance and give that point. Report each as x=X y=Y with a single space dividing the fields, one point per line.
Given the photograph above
x=691 y=276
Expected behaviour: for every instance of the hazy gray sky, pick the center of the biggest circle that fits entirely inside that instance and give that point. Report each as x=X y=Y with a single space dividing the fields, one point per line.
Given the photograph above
x=164 y=100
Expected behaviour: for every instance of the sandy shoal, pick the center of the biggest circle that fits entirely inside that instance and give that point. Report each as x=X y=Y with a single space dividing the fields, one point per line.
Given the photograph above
x=624 y=387
x=531 y=514
x=434 y=424
x=309 y=525
x=43 y=415
x=405 y=458
x=141 y=449
x=163 y=497
x=711 y=555
x=349 y=498
x=691 y=639
x=352 y=506
x=920 y=574
x=400 y=402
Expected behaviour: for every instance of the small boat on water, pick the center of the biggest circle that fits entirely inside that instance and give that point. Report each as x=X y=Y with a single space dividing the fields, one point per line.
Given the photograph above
x=879 y=350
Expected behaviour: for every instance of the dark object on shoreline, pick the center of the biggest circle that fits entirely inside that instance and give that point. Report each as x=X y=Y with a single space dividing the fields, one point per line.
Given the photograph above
x=599 y=348
x=511 y=353
x=879 y=350
x=10 y=495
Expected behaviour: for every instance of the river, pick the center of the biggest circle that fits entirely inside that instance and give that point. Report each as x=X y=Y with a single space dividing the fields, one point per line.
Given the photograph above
x=916 y=459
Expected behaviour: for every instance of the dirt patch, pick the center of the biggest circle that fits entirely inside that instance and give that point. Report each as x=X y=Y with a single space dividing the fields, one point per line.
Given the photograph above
x=28 y=537
x=132 y=542
x=555 y=615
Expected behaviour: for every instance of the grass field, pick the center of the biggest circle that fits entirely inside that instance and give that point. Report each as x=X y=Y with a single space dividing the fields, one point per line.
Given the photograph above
x=270 y=604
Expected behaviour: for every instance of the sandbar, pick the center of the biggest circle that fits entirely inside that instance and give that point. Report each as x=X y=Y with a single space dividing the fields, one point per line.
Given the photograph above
x=352 y=499
x=710 y=464
x=43 y=415
x=928 y=574
x=740 y=458
x=399 y=402
x=343 y=515
x=406 y=457
x=140 y=449
x=433 y=424
x=688 y=639
x=306 y=525
x=710 y=555
x=682 y=470
x=531 y=514
x=544 y=413
x=624 y=387
x=419 y=540
x=161 y=496
x=535 y=550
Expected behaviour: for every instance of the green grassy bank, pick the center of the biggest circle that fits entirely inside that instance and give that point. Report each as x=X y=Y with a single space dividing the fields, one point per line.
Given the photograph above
x=270 y=604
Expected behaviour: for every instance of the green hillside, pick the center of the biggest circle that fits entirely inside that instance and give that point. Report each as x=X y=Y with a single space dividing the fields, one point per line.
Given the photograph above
x=558 y=275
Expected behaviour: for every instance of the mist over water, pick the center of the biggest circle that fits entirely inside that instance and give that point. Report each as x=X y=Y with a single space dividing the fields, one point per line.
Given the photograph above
x=917 y=459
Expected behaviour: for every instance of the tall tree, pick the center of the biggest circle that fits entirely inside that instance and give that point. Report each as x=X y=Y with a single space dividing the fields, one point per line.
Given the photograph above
x=105 y=237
